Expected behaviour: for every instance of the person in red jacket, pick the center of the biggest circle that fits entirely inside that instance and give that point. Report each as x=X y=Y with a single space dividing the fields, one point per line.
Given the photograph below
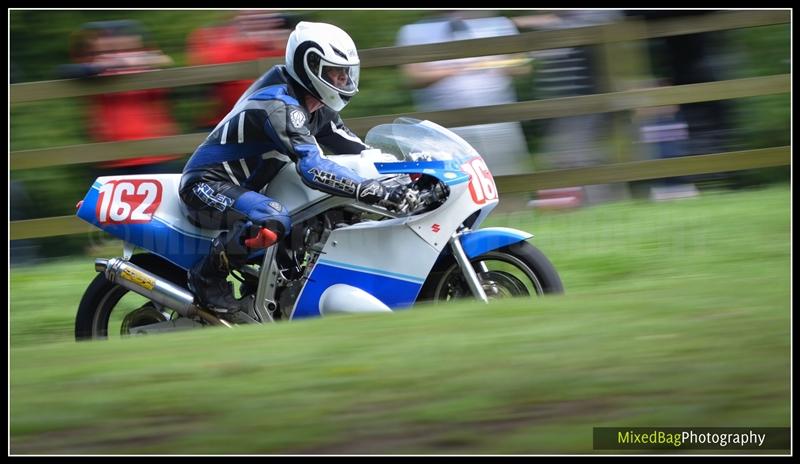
x=250 y=35
x=106 y=48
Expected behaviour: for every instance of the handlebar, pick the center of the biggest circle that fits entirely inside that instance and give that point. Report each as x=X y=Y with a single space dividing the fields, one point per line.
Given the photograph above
x=422 y=194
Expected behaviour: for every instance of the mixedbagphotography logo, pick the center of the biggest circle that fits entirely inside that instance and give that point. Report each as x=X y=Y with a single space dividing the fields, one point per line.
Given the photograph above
x=691 y=438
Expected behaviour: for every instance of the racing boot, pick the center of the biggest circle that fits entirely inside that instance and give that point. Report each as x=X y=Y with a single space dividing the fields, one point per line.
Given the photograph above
x=229 y=250
x=208 y=278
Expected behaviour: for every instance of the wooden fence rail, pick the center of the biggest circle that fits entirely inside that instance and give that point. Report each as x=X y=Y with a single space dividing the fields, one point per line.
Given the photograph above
x=621 y=172
x=624 y=100
x=392 y=56
x=520 y=111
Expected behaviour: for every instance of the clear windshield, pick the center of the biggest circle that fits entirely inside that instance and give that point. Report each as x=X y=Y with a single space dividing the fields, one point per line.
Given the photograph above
x=410 y=139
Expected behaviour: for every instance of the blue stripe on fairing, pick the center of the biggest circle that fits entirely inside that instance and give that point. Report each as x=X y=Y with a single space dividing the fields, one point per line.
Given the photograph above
x=370 y=270
x=478 y=242
x=448 y=172
x=155 y=236
x=169 y=241
x=394 y=293
x=162 y=239
x=97 y=186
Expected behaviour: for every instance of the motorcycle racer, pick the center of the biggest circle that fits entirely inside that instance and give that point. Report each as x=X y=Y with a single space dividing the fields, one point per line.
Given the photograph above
x=285 y=116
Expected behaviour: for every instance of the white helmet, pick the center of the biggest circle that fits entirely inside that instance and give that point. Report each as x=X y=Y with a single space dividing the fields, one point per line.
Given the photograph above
x=323 y=59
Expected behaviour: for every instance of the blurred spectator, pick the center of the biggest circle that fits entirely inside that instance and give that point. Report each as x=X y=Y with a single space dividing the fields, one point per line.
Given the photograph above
x=106 y=48
x=691 y=59
x=250 y=35
x=663 y=133
x=470 y=82
x=572 y=141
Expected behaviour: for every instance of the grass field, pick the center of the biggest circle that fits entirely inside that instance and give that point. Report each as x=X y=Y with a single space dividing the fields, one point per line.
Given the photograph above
x=675 y=314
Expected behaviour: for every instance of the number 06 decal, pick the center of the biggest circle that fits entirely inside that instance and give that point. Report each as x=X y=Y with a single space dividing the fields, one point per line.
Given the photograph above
x=128 y=201
x=481 y=183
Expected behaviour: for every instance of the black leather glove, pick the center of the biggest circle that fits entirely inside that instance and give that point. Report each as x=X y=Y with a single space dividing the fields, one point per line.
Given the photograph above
x=373 y=192
x=370 y=191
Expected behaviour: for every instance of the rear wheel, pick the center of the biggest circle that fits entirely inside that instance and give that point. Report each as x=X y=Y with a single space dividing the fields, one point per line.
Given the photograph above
x=108 y=310
x=518 y=270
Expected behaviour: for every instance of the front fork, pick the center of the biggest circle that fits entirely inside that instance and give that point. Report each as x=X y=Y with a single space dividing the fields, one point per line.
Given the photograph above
x=466 y=268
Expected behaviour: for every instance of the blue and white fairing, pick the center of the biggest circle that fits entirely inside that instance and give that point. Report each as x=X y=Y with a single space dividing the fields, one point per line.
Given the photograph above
x=146 y=211
x=391 y=259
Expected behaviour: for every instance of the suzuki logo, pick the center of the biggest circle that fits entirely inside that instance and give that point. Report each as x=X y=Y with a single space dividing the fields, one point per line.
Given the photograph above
x=435 y=228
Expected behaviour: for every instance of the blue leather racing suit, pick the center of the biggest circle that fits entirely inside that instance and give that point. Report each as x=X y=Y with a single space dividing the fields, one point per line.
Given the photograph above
x=267 y=128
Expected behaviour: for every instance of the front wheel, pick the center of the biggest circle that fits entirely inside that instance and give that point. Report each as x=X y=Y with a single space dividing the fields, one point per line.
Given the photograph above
x=518 y=270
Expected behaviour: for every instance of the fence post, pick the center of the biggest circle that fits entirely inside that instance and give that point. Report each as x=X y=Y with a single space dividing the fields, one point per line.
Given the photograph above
x=624 y=66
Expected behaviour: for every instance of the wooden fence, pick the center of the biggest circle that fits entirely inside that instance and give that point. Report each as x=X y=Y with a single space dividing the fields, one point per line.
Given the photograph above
x=622 y=99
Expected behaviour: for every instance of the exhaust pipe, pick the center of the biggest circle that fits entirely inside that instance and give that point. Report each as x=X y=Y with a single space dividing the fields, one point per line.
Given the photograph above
x=138 y=280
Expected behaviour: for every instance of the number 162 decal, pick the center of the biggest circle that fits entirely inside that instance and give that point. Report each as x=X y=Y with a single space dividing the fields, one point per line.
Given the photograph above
x=131 y=201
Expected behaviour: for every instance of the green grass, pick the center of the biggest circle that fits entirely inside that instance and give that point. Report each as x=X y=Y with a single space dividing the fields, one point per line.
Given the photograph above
x=676 y=314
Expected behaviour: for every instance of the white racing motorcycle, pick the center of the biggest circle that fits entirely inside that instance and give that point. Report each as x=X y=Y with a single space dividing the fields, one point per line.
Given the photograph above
x=341 y=256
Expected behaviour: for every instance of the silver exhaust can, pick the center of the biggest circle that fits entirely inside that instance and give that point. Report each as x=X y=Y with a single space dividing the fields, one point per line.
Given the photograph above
x=147 y=284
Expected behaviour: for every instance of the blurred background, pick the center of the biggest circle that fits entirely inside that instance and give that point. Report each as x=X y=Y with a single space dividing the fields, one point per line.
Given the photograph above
x=676 y=309
x=47 y=45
